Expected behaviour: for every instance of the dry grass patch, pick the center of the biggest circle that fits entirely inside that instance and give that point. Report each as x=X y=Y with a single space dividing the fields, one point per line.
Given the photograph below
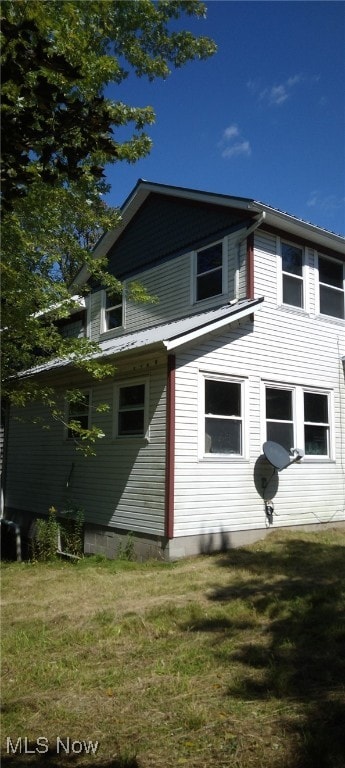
x=229 y=660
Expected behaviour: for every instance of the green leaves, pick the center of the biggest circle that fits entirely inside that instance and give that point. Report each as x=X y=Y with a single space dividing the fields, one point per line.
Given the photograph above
x=59 y=131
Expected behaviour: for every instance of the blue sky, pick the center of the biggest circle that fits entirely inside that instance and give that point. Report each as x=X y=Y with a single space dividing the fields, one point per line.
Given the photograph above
x=264 y=118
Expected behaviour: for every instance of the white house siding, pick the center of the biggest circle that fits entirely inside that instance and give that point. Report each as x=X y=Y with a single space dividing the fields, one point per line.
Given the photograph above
x=282 y=346
x=171 y=284
x=123 y=486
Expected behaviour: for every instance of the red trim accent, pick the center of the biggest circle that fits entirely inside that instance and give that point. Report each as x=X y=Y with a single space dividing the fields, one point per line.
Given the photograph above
x=250 y=266
x=170 y=450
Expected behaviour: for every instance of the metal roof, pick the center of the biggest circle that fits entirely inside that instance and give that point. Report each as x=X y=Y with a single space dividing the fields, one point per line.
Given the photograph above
x=166 y=336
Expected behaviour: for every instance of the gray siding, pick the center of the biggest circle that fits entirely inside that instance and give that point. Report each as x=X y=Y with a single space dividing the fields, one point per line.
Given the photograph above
x=165 y=227
x=171 y=283
x=122 y=486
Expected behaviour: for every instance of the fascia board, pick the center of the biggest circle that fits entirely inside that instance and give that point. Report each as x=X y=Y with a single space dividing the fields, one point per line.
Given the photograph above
x=186 y=338
x=290 y=225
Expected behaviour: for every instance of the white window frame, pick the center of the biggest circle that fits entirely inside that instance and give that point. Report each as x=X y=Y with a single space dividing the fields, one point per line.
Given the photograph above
x=298 y=391
x=332 y=287
x=131 y=383
x=302 y=278
x=195 y=275
x=243 y=381
x=105 y=310
x=68 y=415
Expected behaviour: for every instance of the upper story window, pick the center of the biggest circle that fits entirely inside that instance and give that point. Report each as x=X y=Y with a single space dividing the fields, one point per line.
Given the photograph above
x=292 y=274
x=113 y=311
x=209 y=272
x=299 y=417
x=331 y=287
x=223 y=417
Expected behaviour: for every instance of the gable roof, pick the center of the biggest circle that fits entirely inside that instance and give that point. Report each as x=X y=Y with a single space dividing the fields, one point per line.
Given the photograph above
x=250 y=209
x=165 y=336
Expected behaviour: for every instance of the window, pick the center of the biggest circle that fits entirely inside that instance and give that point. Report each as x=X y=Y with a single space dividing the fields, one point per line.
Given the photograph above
x=223 y=428
x=78 y=415
x=279 y=421
x=113 y=311
x=131 y=410
x=292 y=274
x=209 y=272
x=316 y=424
x=331 y=287
x=298 y=417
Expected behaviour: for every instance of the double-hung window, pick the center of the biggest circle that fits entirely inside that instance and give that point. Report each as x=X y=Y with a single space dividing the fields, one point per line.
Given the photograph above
x=223 y=417
x=131 y=409
x=78 y=414
x=209 y=272
x=299 y=417
x=331 y=287
x=316 y=424
x=292 y=274
x=113 y=310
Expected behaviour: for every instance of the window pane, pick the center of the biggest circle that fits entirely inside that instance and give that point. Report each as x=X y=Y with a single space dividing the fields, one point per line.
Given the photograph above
x=315 y=407
x=292 y=291
x=278 y=404
x=280 y=433
x=113 y=318
x=134 y=395
x=330 y=272
x=79 y=412
x=331 y=302
x=223 y=436
x=209 y=285
x=223 y=398
x=210 y=258
x=292 y=259
x=113 y=300
x=316 y=440
x=131 y=422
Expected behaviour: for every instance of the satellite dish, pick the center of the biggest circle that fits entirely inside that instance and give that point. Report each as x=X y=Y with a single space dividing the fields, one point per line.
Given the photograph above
x=276 y=454
x=279 y=457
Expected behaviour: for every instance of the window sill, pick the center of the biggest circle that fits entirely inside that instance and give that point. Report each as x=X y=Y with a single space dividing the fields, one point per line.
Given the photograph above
x=212 y=301
x=331 y=319
x=223 y=457
x=112 y=333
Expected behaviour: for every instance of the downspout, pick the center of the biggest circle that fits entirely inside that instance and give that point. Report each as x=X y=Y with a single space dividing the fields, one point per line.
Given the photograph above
x=249 y=236
x=170 y=450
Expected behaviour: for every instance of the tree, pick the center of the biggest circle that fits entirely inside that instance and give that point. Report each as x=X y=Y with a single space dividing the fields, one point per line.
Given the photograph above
x=59 y=132
x=57 y=59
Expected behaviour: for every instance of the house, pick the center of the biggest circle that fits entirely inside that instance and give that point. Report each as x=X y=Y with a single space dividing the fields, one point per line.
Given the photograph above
x=244 y=344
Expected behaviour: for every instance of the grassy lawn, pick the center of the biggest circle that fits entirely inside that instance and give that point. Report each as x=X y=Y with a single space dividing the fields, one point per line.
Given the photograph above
x=227 y=661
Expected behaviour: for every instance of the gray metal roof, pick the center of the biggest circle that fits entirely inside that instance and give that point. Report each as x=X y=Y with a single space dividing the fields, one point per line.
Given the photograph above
x=179 y=332
x=166 y=336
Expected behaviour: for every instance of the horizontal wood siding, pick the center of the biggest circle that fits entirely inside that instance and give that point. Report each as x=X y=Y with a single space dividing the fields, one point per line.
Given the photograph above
x=122 y=486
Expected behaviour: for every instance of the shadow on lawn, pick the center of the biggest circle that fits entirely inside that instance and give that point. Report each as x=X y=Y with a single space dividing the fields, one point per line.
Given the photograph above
x=297 y=593
x=51 y=759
